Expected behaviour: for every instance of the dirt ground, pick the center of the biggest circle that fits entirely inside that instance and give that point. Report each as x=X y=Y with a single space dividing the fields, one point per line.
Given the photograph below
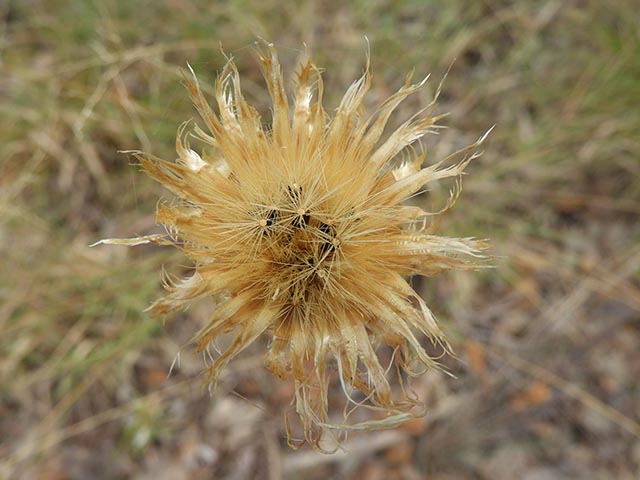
x=545 y=381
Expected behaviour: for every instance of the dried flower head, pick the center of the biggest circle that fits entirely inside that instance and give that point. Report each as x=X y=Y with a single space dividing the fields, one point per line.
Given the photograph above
x=299 y=232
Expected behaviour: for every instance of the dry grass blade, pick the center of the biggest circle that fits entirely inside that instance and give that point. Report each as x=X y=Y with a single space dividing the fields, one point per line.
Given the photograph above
x=568 y=388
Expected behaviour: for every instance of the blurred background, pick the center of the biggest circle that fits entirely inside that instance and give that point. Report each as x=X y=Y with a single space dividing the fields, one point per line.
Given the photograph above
x=547 y=342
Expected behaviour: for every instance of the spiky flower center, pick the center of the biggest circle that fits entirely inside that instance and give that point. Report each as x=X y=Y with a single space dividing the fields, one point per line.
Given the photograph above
x=301 y=245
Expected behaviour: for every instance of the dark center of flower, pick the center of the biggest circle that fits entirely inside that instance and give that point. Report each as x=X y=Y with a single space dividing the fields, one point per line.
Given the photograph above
x=301 y=246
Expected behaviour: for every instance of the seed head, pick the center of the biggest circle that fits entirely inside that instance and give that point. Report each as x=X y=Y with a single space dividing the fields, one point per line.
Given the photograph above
x=299 y=232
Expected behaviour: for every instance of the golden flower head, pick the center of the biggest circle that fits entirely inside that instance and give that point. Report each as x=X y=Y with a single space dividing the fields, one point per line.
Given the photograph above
x=299 y=232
